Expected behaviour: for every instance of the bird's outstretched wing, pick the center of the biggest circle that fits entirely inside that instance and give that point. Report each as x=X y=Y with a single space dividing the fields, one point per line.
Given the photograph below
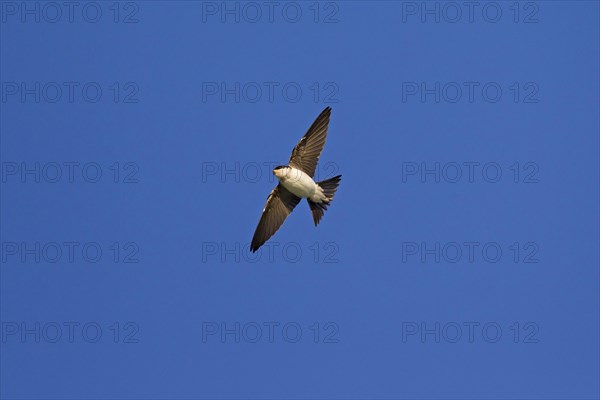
x=305 y=155
x=280 y=204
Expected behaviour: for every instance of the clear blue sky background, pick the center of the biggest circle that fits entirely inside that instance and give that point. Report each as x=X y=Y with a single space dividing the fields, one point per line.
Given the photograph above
x=383 y=288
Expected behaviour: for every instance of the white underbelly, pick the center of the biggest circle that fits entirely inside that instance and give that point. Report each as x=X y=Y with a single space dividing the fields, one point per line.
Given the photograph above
x=299 y=183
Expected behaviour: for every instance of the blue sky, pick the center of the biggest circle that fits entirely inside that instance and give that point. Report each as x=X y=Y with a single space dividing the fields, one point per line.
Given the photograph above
x=459 y=258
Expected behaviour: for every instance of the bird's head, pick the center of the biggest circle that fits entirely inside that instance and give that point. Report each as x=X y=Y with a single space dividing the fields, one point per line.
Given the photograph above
x=280 y=171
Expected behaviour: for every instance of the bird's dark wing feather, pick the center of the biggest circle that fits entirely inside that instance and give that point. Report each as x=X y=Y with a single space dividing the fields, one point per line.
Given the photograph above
x=305 y=155
x=280 y=204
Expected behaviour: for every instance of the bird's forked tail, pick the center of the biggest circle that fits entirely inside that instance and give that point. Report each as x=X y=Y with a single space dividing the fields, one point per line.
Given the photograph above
x=329 y=187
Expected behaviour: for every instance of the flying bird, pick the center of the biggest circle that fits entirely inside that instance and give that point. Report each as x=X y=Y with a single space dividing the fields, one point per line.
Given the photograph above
x=296 y=182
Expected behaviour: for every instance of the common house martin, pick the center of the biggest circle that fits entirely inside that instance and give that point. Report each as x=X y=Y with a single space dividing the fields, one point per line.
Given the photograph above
x=296 y=182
